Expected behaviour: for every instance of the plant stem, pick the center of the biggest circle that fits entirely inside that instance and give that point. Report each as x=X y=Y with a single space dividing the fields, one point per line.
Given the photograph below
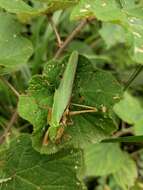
x=133 y=77
x=11 y=87
x=56 y=32
x=10 y=124
x=70 y=38
x=124 y=132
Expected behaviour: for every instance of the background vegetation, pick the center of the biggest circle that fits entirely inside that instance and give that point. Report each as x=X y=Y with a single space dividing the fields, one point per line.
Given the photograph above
x=36 y=39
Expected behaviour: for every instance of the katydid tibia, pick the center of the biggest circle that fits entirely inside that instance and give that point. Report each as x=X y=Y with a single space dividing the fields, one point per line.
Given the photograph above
x=61 y=101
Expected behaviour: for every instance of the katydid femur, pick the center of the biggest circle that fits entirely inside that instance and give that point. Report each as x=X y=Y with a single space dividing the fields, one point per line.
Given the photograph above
x=59 y=112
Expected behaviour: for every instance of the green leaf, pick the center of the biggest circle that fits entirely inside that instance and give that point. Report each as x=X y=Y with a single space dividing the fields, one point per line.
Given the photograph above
x=98 y=155
x=16 y=6
x=100 y=89
x=102 y=10
x=108 y=159
x=30 y=110
x=118 y=34
x=127 y=14
x=138 y=127
x=54 y=5
x=138 y=186
x=129 y=109
x=133 y=26
x=125 y=177
x=91 y=127
x=25 y=11
x=34 y=106
x=24 y=168
x=15 y=50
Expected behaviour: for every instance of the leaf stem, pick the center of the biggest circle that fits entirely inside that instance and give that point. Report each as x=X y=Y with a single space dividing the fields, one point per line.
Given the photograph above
x=11 y=87
x=10 y=124
x=70 y=38
x=56 y=32
x=124 y=132
x=133 y=77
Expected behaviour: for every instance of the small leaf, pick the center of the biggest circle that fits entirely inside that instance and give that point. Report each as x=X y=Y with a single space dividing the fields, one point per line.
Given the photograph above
x=125 y=177
x=16 y=6
x=96 y=155
x=129 y=109
x=15 y=50
x=136 y=40
x=118 y=34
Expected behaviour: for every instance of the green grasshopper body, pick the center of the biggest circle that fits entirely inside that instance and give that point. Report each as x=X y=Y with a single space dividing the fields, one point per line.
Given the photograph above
x=62 y=97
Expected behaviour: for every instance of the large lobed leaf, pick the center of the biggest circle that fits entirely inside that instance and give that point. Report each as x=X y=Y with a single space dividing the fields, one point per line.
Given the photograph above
x=84 y=129
x=24 y=168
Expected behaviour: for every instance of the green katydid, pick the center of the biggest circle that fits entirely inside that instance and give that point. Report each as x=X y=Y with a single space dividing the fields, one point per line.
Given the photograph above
x=61 y=101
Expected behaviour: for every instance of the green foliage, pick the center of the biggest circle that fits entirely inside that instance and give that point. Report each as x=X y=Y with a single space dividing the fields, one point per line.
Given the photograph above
x=40 y=99
x=74 y=122
x=23 y=167
x=102 y=10
x=109 y=154
x=25 y=11
x=15 y=50
x=127 y=174
x=130 y=110
x=116 y=163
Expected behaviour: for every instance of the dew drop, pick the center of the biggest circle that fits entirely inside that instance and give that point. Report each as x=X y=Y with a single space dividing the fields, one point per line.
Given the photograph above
x=83 y=10
x=54 y=148
x=99 y=90
x=103 y=4
x=138 y=50
x=14 y=35
x=77 y=183
x=77 y=162
x=87 y=6
x=137 y=34
x=116 y=97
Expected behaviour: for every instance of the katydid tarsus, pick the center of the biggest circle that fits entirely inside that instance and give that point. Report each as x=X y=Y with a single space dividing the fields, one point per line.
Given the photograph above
x=62 y=97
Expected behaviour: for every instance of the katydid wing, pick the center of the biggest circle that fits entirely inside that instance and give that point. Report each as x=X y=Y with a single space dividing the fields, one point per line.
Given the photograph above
x=62 y=95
